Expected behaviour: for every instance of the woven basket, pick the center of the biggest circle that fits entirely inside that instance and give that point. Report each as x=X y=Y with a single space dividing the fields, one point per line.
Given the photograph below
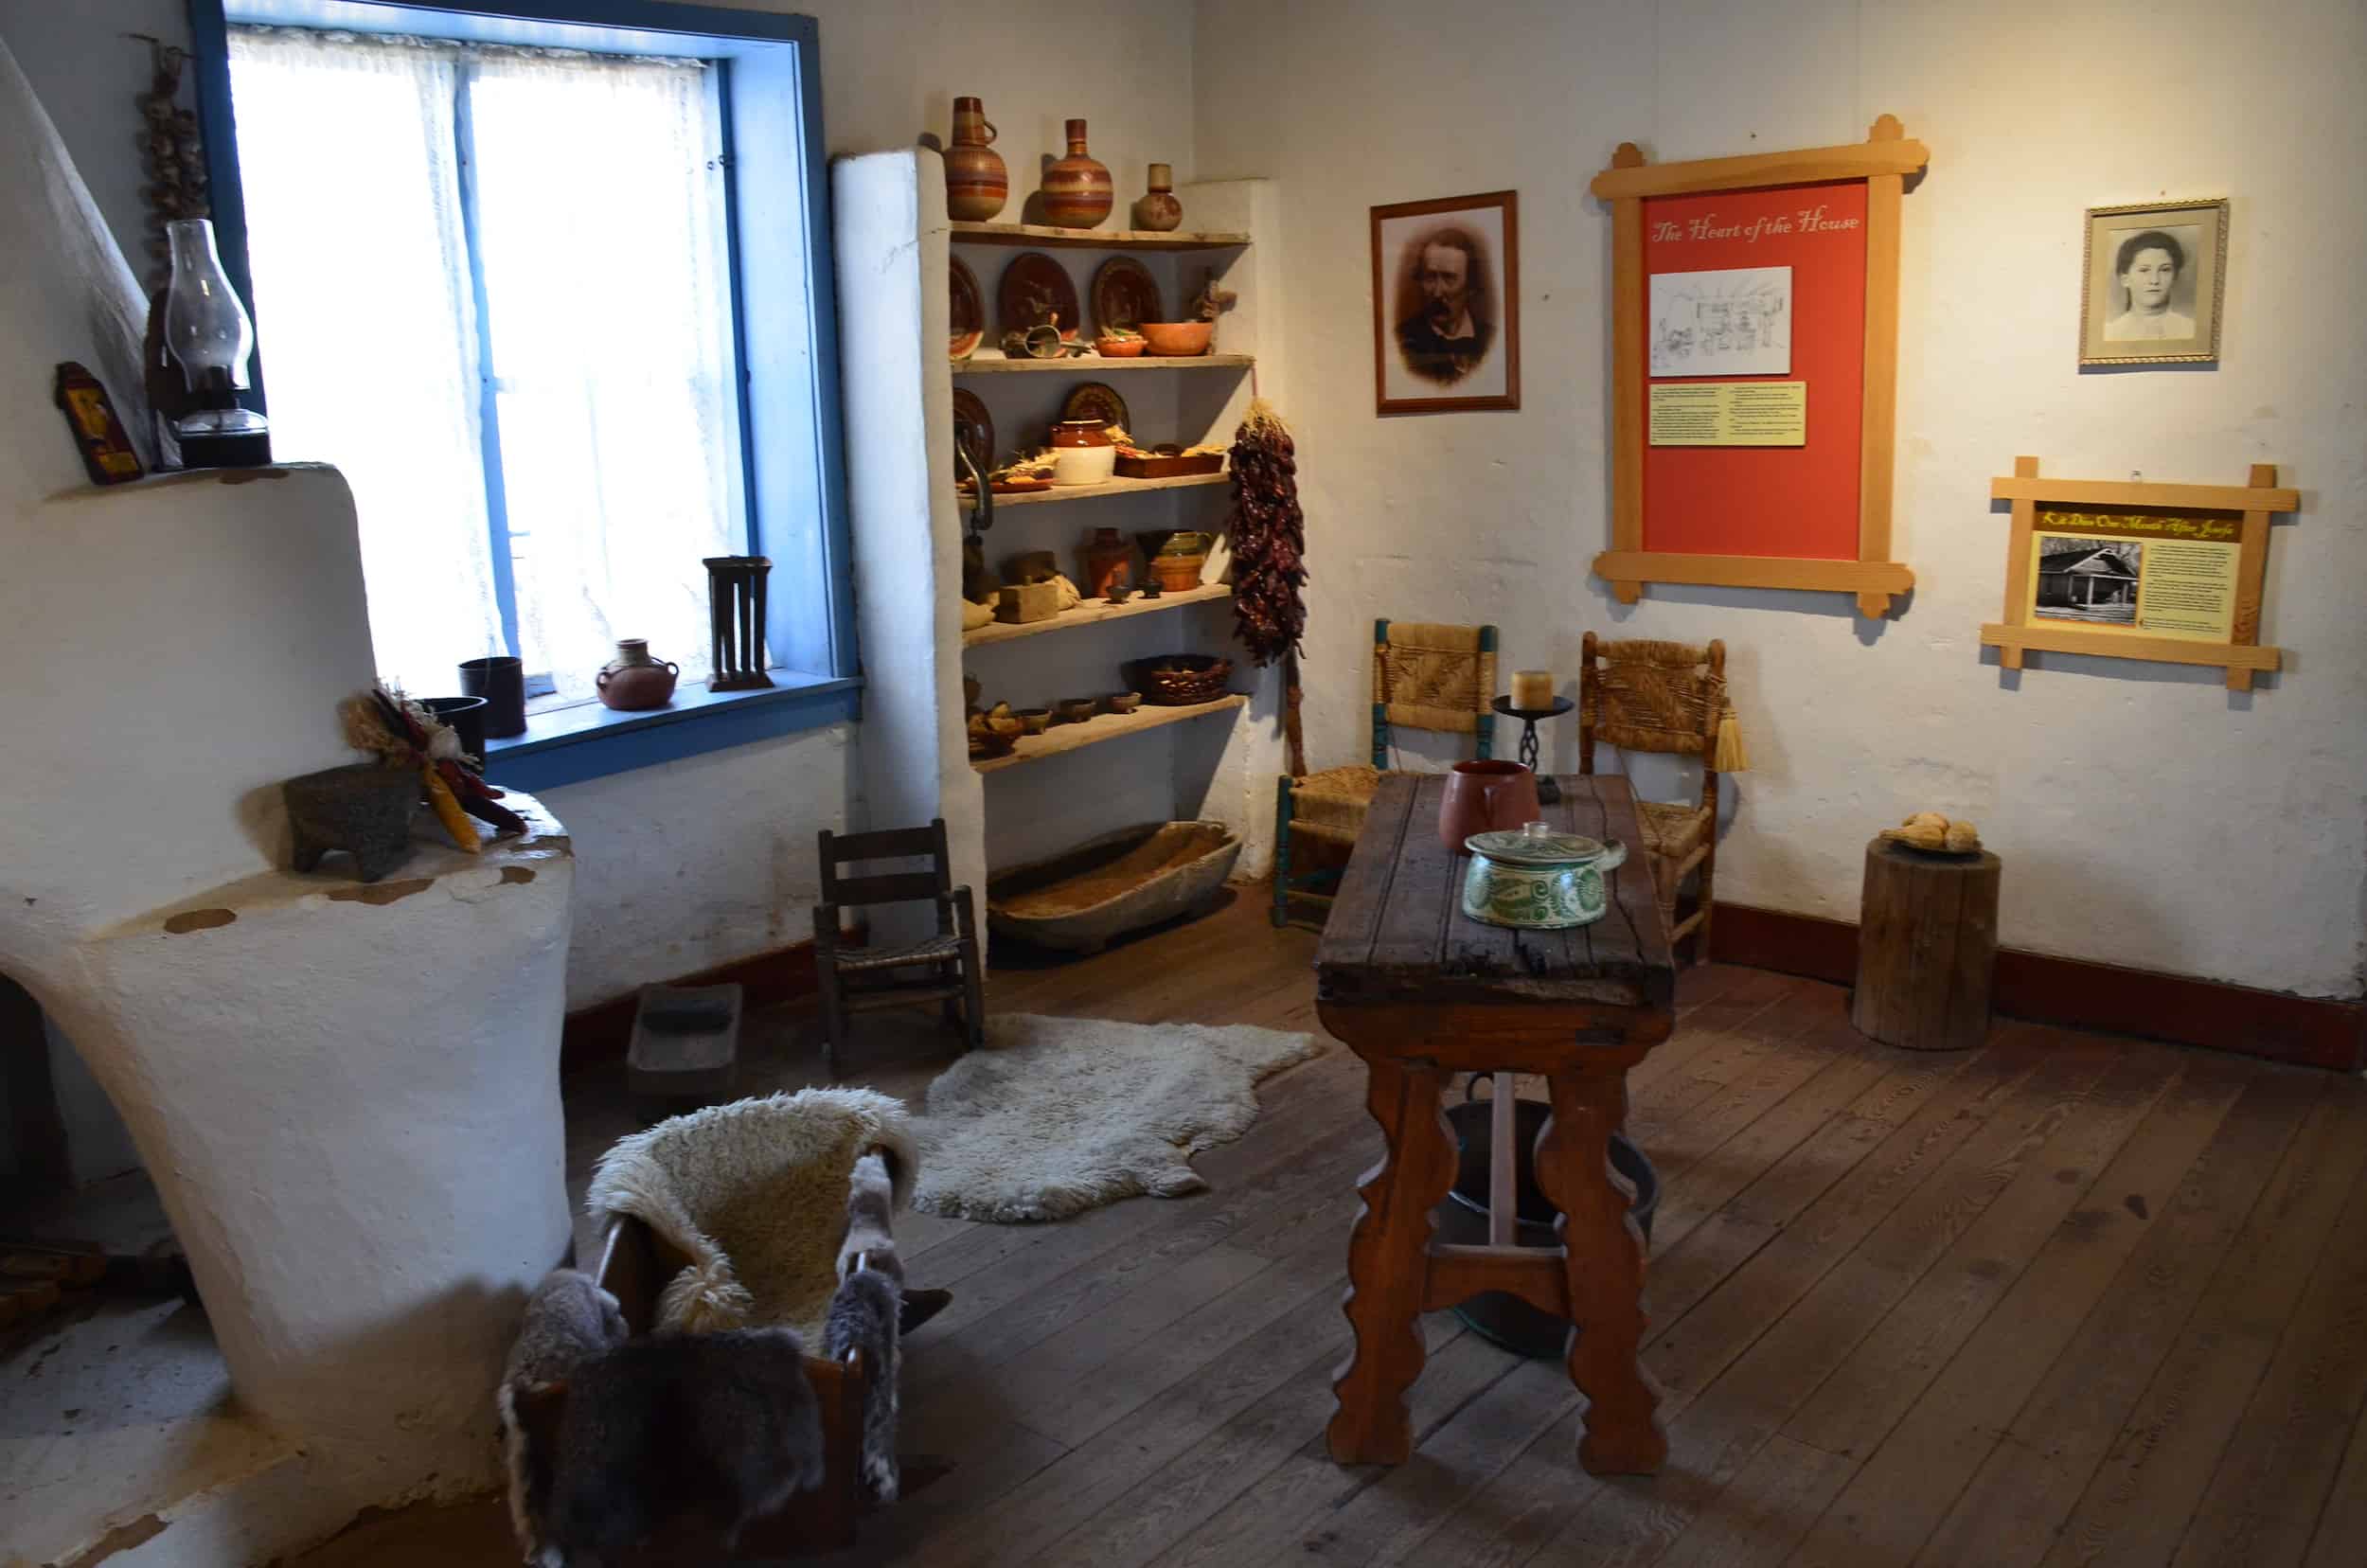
x=1177 y=680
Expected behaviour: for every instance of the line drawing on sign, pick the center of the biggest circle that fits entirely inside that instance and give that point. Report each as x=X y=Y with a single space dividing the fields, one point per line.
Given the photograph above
x=1732 y=322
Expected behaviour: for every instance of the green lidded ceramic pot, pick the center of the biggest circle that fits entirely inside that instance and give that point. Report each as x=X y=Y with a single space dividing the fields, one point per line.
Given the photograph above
x=1537 y=880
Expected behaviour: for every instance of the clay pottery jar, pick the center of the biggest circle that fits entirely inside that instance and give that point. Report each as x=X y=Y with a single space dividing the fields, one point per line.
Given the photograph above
x=1078 y=193
x=1108 y=562
x=634 y=680
x=1158 y=211
x=1177 y=558
x=1483 y=797
x=1083 y=452
x=976 y=182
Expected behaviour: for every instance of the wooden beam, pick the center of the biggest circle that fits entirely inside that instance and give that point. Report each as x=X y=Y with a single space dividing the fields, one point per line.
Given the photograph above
x=2123 y=645
x=1895 y=155
x=1840 y=576
x=1626 y=358
x=2112 y=493
x=1878 y=405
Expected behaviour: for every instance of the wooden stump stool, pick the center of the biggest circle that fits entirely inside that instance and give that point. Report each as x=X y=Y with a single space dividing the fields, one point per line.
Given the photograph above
x=1927 y=941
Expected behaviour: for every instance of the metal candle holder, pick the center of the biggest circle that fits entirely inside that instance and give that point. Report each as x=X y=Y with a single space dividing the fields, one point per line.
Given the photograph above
x=1529 y=718
x=736 y=621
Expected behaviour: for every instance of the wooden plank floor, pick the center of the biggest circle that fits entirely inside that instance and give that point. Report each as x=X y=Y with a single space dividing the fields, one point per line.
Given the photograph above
x=2065 y=1300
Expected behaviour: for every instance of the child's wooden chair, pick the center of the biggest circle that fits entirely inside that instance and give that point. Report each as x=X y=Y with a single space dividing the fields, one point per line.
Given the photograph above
x=1669 y=698
x=950 y=972
x=1426 y=677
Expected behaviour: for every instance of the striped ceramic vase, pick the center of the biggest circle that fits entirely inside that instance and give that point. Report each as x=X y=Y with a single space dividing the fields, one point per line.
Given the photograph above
x=1077 y=190
x=976 y=184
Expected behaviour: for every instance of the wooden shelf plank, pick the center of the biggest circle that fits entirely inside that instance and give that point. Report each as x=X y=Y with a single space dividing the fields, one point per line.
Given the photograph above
x=1094 y=364
x=1108 y=487
x=1094 y=611
x=1105 y=727
x=1038 y=234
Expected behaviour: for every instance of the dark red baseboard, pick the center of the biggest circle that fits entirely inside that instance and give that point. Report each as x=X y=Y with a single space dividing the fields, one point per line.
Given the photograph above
x=2313 y=1031
x=603 y=1031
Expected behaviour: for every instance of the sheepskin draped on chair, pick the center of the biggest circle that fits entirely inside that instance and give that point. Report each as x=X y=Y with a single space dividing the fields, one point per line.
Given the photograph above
x=755 y=1193
x=1426 y=676
x=1666 y=697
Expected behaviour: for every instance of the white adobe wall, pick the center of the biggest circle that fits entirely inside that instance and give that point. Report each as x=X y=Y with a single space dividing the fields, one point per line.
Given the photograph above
x=2146 y=816
x=700 y=862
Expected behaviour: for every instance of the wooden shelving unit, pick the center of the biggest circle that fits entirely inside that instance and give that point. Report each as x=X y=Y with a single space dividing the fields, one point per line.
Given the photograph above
x=1095 y=365
x=1093 y=613
x=1106 y=726
x=1038 y=234
x=1108 y=487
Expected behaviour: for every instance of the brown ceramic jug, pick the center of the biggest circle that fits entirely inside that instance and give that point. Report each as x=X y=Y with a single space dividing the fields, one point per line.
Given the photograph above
x=634 y=680
x=1484 y=796
x=1158 y=211
x=1108 y=560
x=976 y=183
x=1077 y=190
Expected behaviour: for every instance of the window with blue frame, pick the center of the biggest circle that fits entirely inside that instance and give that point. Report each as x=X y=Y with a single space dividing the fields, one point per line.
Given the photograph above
x=510 y=275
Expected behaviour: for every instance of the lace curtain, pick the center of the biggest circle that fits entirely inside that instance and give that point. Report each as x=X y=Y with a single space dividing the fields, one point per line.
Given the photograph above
x=599 y=245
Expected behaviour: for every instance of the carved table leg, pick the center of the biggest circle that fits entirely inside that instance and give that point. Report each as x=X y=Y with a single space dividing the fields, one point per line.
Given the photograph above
x=1605 y=1254
x=1389 y=1263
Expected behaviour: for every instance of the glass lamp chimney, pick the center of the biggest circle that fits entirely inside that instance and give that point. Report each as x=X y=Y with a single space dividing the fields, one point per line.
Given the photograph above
x=205 y=324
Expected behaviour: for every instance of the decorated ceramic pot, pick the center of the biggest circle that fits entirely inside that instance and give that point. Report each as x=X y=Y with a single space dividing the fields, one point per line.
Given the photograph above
x=1536 y=879
x=634 y=680
x=1077 y=190
x=1083 y=452
x=976 y=182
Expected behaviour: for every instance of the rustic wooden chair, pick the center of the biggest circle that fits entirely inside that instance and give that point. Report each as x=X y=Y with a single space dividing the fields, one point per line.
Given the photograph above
x=858 y=979
x=1426 y=677
x=1669 y=698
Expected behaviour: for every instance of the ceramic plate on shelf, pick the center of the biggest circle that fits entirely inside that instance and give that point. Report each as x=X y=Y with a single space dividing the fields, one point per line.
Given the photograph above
x=973 y=432
x=1096 y=401
x=1124 y=294
x=968 y=315
x=1035 y=287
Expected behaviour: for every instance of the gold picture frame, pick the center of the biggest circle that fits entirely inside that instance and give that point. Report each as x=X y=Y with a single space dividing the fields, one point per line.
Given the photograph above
x=2185 y=273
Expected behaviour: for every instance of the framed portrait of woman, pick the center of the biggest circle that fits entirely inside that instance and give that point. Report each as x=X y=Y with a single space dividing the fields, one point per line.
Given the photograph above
x=1447 y=304
x=2155 y=277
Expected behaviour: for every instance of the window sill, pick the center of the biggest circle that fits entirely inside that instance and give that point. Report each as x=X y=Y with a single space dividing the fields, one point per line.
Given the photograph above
x=585 y=740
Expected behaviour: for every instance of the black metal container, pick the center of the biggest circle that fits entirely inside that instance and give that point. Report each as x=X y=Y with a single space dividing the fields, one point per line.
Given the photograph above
x=466 y=715
x=1463 y=1217
x=501 y=681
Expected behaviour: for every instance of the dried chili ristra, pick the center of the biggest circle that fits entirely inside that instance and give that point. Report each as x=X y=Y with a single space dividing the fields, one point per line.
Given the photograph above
x=1268 y=535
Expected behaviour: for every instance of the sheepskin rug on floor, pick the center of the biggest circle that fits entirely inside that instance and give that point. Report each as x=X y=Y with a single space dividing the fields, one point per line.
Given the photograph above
x=1062 y=1114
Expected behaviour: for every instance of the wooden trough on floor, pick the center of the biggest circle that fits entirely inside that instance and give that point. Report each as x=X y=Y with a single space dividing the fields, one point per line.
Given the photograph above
x=1110 y=886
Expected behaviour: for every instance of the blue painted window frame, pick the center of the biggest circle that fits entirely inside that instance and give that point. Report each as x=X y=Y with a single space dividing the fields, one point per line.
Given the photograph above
x=785 y=321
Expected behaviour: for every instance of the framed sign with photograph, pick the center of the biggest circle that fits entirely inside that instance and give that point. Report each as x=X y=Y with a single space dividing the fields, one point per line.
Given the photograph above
x=2153 y=280
x=2138 y=570
x=1447 y=304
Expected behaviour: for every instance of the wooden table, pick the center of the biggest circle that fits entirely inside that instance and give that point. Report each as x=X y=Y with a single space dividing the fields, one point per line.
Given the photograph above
x=1421 y=993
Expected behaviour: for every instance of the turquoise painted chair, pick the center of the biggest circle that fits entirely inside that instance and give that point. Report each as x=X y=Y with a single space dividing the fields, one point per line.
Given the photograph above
x=1426 y=677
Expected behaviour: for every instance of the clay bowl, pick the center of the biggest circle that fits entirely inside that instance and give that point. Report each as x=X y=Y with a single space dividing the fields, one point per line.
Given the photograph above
x=1178 y=338
x=1075 y=710
x=1124 y=702
x=1119 y=348
x=1036 y=719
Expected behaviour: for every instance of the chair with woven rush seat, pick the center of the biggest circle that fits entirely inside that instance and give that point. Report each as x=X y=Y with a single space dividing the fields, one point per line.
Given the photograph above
x=859 y=979
x=1426 y=677
x=1666 y=697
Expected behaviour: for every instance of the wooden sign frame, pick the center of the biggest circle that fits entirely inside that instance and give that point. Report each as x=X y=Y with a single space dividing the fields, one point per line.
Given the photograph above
x=2254 y=503
x=1884 y=161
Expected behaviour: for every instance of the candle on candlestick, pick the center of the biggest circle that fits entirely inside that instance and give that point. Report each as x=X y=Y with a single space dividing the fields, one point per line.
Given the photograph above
x=1533 y=689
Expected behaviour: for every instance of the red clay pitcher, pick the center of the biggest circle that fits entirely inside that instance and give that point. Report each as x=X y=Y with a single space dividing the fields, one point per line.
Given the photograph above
x=1484 y=796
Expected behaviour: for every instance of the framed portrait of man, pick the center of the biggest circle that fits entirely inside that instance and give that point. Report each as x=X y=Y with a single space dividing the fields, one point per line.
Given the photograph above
x=2155 y=277
x=1447 y=304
